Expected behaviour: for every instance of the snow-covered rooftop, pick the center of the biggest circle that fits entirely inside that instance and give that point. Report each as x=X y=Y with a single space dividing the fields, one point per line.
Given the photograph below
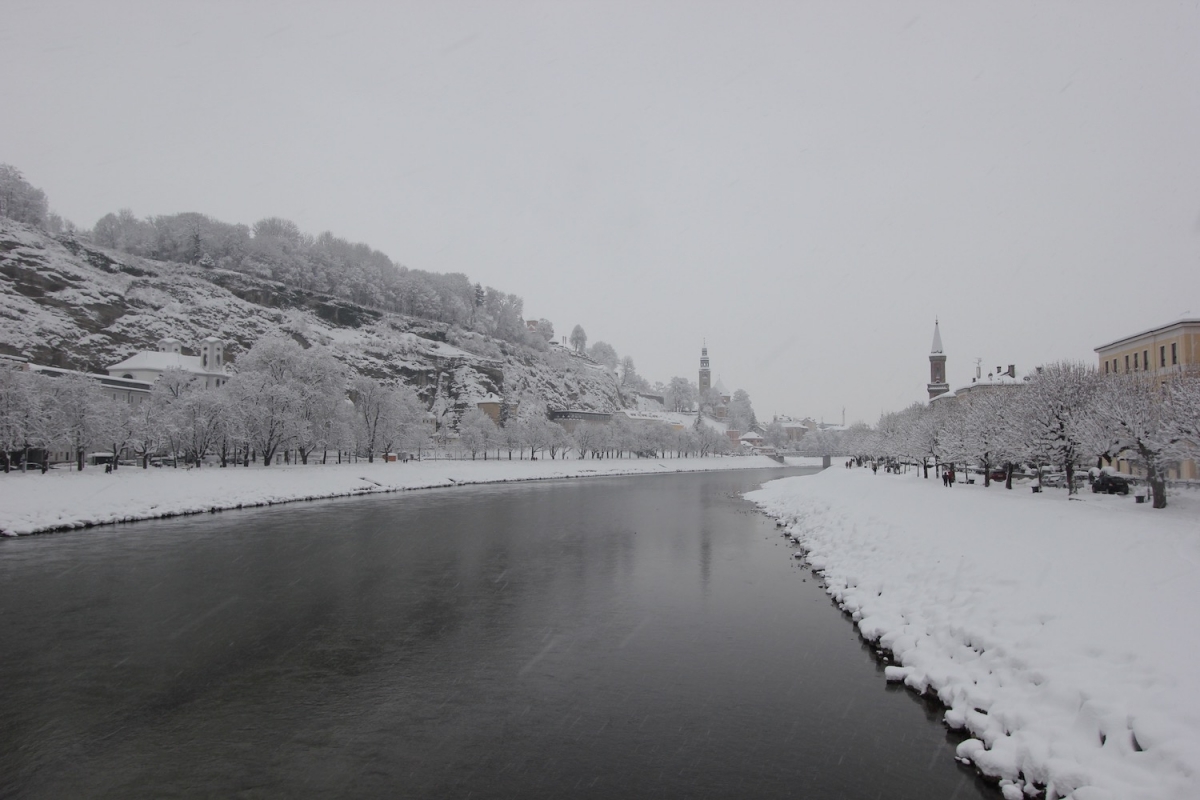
x=151 y=359
x=1158 y=329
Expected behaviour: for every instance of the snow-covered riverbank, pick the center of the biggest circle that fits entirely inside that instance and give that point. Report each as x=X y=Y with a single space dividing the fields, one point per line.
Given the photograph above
x=1060 y=632
x=63 y=499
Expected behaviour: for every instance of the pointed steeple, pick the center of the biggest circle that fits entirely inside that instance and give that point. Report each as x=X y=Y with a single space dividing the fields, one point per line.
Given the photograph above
x=937 y=365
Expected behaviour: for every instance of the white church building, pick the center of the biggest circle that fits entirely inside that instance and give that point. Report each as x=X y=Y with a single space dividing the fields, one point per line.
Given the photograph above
x=148 y=366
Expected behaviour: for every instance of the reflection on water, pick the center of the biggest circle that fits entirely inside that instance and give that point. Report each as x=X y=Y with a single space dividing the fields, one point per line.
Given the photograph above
x=639 y=636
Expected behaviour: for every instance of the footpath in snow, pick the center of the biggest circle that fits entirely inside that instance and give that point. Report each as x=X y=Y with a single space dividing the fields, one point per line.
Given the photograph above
x=65 y=499
x=1060 y=633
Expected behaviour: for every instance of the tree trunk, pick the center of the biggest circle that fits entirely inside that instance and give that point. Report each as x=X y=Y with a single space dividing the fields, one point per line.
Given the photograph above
x=1069 y=468
x=79 y=461
x=1158 y=485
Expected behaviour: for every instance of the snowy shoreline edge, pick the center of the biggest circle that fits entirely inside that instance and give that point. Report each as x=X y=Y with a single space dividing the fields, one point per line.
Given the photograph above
x=1023 y=616
x=74 y=513
x=883 y=654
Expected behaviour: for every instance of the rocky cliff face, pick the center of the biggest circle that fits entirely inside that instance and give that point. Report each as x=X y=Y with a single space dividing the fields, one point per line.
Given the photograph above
x=69 y=304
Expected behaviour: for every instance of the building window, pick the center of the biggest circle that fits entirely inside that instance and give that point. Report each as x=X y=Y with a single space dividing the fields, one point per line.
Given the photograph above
x=1145 y=359
x=1127 y=362
x=1162 y=355
x=1106 y=366
x=1135 y=362
x=1174 y=353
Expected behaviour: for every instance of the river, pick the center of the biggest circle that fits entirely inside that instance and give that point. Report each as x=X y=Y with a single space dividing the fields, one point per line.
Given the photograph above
x=622 y=637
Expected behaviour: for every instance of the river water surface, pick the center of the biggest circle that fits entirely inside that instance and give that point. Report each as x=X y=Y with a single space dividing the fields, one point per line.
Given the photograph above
x=623 y=637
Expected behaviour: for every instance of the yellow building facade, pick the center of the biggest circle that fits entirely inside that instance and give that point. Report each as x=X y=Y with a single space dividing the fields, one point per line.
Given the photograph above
x=1164 y=352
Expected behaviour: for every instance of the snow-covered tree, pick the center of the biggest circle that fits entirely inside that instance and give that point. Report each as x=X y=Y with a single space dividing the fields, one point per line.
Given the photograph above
x=1133 y=418
x=1055 y=405
x=741 y=412
x=992 y=429
x=549 y=437
x=19 y=200
x=630 y=380
x=775 y=434
x=578 y=338
x=589 y=438
x=710 y=441
x=77 y=416
x=378 y=414
x=1183 y=396
x=921 y=436
x=476 y=432
x=268 y=391
x=197 y=420
x=24 y=413
x=604 y=353
x=322 y=392
x=408 y=431
x=681 y=394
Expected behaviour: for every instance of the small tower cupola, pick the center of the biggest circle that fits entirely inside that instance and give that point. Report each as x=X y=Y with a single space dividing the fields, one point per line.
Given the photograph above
x=212 y=354
x=169 y=345
x=937 y=365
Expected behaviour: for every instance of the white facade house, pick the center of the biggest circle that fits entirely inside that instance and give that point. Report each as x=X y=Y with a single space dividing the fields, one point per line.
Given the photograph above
x=751 y=439
x=149 y=365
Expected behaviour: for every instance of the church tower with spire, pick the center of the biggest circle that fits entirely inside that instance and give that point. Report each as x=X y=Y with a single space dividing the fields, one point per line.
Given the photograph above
x=705 y=372
x=937 y=365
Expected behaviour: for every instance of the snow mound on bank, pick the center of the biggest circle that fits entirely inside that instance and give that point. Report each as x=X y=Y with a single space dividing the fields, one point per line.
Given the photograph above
x=1058 y=633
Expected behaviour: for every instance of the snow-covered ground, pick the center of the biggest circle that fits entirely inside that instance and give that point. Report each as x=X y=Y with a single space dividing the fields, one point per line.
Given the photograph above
x=63 y=499
x=1061 y=633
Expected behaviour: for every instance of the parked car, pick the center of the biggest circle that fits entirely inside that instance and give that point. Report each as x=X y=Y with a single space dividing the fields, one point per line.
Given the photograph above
x=1111 y=483
x=999 y=475
x=1053 y=479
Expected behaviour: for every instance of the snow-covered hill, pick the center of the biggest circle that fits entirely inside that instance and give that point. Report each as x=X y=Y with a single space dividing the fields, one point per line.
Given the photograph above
x=70 y=304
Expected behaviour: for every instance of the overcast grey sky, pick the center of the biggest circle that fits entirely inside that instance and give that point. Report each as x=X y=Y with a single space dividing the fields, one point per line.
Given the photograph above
x=804 y=184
